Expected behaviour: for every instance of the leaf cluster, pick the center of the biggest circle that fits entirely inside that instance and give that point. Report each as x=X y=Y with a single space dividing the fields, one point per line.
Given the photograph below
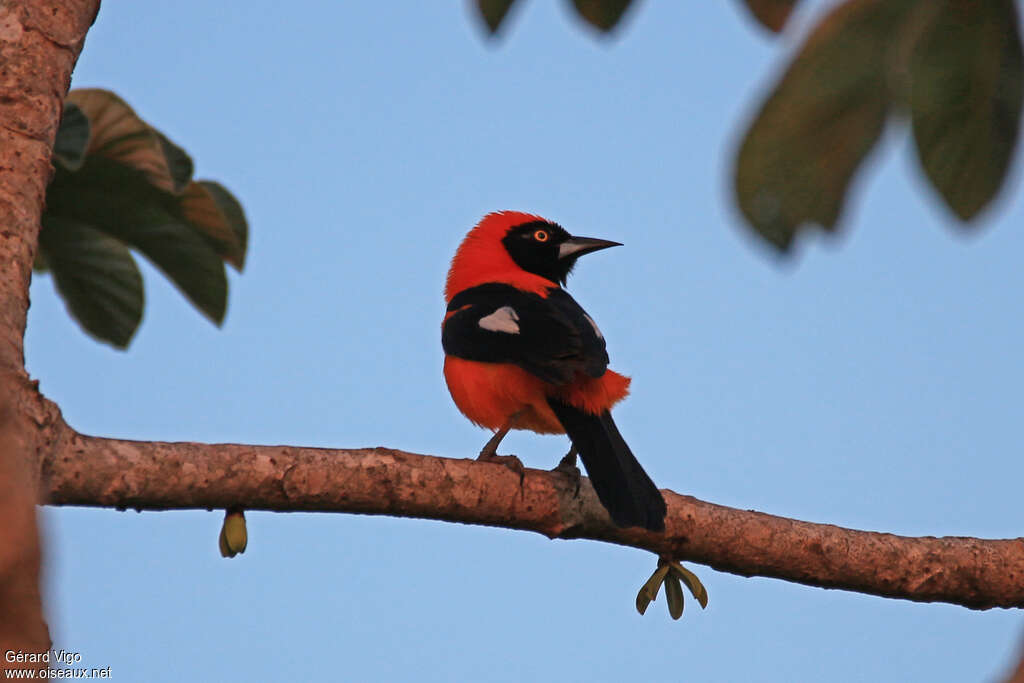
x=120 y=185
x=603 y=15
x=953 y=68
x=673 y=576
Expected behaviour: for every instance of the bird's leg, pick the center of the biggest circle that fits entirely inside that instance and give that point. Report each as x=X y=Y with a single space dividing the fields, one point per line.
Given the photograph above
x=567 y=466
x=489 y=453
x=490 y=449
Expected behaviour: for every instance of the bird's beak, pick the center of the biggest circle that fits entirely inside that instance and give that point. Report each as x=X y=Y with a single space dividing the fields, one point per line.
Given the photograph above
x=578 y=246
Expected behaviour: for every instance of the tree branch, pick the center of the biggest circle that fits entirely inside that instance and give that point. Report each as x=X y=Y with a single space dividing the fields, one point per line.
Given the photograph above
x=87 y=470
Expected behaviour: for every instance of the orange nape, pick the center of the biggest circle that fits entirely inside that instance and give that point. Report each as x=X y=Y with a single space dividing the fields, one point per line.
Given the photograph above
x=488 y=393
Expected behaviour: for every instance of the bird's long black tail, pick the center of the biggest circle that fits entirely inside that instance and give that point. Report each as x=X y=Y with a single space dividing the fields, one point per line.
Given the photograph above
x=623 y=487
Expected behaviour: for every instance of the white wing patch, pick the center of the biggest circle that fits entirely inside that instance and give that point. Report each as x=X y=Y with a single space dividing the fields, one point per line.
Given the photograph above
x=597 y=330
x=502 y=320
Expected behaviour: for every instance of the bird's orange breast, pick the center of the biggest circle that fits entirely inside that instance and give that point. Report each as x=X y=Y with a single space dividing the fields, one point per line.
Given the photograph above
x=489 y=393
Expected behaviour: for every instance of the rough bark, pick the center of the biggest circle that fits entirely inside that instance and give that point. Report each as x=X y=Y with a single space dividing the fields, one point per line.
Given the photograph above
x=87 y=470
x=39 y=43
x=22 y=626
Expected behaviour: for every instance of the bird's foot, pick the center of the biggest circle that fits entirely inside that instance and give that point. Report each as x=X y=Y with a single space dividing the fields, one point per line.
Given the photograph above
x=567 y=466
x=509 y=461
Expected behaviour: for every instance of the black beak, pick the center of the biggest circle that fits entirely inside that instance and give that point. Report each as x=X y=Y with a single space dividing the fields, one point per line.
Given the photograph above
x=578 y=246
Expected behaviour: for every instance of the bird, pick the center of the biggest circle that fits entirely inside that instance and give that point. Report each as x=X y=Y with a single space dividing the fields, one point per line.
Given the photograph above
x=520 y=353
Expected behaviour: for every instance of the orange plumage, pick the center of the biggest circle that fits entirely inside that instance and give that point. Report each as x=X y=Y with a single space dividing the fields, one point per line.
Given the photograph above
x=488 y=393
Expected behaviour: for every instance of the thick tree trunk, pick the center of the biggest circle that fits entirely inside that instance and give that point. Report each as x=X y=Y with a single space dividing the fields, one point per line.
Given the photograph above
x=39 y=43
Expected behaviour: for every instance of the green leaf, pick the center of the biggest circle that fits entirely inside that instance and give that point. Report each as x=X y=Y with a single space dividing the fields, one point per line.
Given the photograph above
x=40 y=265
x=184 y=257
x=965 y=99
x=120 y=201
x=649 y=591
x=119 y=177
x=674 y=596
x=119 y=134
x=772 y=14
x=797 y=159
x=179 y=164
x=643 y=601
x=602 y=14
x=96 y=276
x=493 y=12
x=72 y=137
x=697 y=588
x=215 y=213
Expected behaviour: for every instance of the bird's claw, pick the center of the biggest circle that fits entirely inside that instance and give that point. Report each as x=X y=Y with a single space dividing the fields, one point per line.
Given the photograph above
x=567 y=466
x=510 y=461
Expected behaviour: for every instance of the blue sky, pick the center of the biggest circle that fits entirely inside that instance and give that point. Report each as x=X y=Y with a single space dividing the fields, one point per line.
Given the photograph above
x=872 y=381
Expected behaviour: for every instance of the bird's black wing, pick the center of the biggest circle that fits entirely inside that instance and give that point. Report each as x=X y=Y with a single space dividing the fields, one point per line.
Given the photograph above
x=551 y=337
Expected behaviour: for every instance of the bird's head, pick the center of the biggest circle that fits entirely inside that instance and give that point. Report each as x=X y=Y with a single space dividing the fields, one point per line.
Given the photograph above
x=519 y=248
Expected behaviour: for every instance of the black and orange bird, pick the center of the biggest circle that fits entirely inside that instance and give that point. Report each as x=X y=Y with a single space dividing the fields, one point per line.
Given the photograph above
x=520 y=353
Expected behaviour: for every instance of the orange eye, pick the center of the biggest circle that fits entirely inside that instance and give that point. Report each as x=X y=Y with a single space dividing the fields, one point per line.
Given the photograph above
x=541 y=236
